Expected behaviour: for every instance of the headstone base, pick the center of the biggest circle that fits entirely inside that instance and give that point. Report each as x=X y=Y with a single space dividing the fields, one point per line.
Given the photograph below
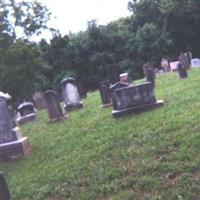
x=14 y=150
x=27 y=118
x=71 y=107
x=58 y=119
x=136 y=110
x=106 y=105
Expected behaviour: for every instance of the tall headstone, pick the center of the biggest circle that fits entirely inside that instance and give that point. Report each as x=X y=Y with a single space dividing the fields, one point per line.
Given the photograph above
x=53 y=106
x=149 y=73
x=38 y=98
x=112 y=73
x=12 y=145
x=189 y=56
x=182 y=71
x=71 y=95
x=105 y=94
x=134 y=99
x=4 y=191
x=184 y=60
x=165 y=65
x=26 y=113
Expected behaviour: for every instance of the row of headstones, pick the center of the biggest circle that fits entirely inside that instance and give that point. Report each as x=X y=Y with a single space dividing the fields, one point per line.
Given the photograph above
x=186 y=59
x=72 y=93
x=127 y=99
x=12 y=144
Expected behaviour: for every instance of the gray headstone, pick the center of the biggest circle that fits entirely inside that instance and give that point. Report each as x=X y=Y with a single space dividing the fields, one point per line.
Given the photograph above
x=39 y=100
x=105 y=94
x=71 y=94
x=26 y=113
x=53 y=106
x=6 y=132
x=182 y=71
x=149 y=73
x=134 y=99
x=4 y=191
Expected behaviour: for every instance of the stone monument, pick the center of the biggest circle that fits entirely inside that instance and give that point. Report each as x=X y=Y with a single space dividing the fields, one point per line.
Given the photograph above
x=53 y=106
x=38 y=98
x=4 y=191
x=12 y=145
x=182 y=71
x=105 y=94
x=149 y=73
x=71 y=94
x=26 y=113
x=134 y=99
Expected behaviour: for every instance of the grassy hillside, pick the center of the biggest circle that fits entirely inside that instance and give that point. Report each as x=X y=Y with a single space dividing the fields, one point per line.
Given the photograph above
x=90 y=155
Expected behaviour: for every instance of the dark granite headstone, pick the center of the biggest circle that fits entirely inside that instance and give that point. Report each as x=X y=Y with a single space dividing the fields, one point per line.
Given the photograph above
x=4 y=191
x=53 y=106
x=113 y=74
x=182 y=71
x=113 y=88
x=184 y=60
x=149 y=73
x=134 y=99
x=26 y=113
x=105 y=94
x=165 y=65
x=71 y=94
x=12 y=145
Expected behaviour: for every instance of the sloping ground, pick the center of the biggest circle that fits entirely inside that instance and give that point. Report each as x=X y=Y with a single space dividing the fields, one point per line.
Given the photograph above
x=90 y=155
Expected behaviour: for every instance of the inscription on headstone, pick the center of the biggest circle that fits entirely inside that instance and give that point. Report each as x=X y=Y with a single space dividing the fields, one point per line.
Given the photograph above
x=134 y=99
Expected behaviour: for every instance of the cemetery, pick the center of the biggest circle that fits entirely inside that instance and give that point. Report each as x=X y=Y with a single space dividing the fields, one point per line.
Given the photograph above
x=110 y=112
x=91 y=155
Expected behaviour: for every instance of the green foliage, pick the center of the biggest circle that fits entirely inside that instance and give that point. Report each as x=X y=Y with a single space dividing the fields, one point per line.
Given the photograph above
x=22 y=70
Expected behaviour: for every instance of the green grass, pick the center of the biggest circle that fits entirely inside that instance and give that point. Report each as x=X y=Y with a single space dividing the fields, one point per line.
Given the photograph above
x=91 y=156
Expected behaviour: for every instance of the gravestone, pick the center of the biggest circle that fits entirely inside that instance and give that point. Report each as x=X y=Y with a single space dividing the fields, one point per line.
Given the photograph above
x=71 y=94
x=134 y=99
x=112 y=73
x=189 y=56
x=184 y=60
x=4 y=191
x=53 y=106
x=124 y=78
x=114 y=87
x=165 y=65
x=38 y=98
x=105 y=94
x=182 y=71
x=149 y=73
x=26 y=113
x=12 y=145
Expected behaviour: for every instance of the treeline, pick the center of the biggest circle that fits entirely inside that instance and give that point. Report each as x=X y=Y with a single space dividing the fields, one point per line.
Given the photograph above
x=156 y=29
